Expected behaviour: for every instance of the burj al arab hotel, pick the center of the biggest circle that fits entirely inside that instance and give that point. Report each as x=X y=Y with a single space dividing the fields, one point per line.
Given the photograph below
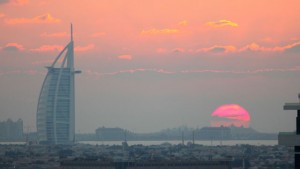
x=56 y=106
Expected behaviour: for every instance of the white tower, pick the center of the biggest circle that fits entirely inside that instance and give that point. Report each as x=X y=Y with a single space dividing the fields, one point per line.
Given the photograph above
x=56 y=104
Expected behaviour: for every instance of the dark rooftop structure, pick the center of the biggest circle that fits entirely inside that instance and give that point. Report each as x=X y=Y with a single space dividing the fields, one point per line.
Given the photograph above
x=292 y=138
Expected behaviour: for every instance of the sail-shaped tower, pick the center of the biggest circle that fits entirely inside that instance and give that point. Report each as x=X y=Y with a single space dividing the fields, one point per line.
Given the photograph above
x=56 y=104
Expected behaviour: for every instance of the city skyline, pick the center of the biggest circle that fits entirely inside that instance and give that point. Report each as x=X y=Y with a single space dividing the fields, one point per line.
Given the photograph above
x=153 y=65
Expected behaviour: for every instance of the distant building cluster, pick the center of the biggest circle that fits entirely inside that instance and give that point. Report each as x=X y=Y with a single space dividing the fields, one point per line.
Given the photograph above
x=11 y=131
x=213 y=133
x=181 y=133
x=103 y=133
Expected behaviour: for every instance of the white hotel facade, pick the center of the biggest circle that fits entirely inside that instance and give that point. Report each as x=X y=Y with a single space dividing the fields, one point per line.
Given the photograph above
x=56 y=104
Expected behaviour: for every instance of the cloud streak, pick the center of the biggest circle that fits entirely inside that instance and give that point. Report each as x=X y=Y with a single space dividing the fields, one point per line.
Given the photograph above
x=125 y=57
x=13 y=47
x=153 y=70
x=84 y=48
x=52 y=48
x=231 y=49
x=42 y=19
x=221 y=23
x=128 y=71
x=218 y=49
x=253 y=47
x=186 y=72
x=294 y=48
x=159 y=31
x=47 y=48
x=183 y=23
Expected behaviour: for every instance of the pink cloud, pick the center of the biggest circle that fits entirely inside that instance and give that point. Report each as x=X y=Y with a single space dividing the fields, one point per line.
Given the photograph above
x=125 y=57
x=51 y=48
x=183 y=23
x=257 y=48
x=159 y=31
x=168 y=51
x=84 y=48
x=254 y=47
x=218 y=49
x=269 y=40
x=186 y=72
x=257 y=71
x=13 y=47
x=131 y=71
x=42 y=19
x=47 y=48
x=54 y=35
x=295 y=47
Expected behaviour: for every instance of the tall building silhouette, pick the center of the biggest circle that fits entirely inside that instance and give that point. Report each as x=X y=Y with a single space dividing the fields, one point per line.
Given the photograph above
x=292 y=138
x=56 y=106
x=11 y=131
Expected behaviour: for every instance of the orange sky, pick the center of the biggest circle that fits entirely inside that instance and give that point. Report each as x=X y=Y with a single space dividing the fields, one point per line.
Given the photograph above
x=138 y=26
x=245 y=39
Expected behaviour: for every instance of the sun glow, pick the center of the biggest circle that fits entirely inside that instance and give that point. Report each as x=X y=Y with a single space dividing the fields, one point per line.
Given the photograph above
x=230 y=114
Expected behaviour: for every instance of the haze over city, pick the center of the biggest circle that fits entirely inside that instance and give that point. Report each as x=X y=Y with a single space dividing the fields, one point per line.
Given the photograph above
x=151 y=65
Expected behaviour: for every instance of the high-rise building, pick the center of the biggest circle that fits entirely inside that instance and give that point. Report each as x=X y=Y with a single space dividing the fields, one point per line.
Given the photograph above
x=56 y=106
x=292 y=138
x=11 y=131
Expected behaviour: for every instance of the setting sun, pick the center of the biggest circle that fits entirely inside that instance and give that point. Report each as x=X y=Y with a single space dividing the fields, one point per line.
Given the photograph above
x=231 y=114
